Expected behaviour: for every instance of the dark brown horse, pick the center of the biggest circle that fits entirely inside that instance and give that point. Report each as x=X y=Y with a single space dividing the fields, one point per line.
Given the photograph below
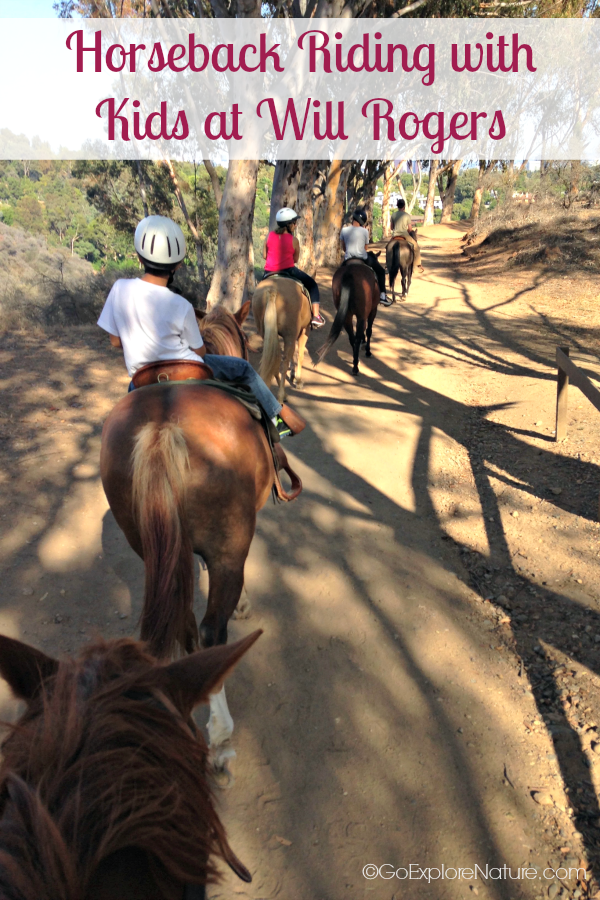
x=185 y=469
x=399 y=258
x=104 y=793
x=355 y=295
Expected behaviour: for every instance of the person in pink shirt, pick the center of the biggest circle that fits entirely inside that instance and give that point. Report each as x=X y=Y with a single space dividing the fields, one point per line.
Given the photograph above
x=281 y=251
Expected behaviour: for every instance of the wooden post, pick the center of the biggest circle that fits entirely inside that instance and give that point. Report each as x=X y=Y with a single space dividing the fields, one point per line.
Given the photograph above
x=562 y=388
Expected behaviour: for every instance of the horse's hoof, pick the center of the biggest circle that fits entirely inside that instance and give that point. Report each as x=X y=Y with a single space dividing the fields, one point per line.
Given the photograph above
x=355 y=372
x=299 y=384
x=243 y=610
x=368 y=353
x=222 y=778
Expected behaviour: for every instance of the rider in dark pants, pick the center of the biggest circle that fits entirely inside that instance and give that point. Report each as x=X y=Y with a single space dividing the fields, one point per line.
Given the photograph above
x=355 y=239
x=281 y=251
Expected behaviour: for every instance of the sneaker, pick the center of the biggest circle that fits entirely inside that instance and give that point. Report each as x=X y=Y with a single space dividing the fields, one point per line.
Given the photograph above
x=283 y=430
x=317 y=321
x=385 y=301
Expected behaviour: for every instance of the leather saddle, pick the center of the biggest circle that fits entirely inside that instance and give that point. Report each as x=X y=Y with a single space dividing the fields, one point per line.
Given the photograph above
x=171 y=370
x=289 y=278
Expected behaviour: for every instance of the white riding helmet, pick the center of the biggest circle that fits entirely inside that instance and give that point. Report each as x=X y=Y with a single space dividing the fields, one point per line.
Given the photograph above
x=286 y=215
x=159 y=241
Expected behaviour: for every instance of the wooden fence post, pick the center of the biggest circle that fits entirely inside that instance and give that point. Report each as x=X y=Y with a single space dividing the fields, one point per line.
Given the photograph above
x=562 y=389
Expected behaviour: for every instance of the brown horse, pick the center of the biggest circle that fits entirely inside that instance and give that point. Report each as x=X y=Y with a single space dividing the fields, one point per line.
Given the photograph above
x=222 y=332
x=185 y=469
x=355 y=294
x=281 y=308
x=399 y=258
x=104 y=793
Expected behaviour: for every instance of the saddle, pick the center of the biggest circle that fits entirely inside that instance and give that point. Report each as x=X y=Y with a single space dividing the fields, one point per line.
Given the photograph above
x=290 y=278
x=171 y=370
x=182 y=371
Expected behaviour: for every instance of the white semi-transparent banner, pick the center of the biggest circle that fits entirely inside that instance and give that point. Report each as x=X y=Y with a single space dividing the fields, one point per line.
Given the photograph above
x=300 y=89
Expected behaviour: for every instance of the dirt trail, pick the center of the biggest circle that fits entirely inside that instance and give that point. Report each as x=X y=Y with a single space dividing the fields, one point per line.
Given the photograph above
x=414 y=685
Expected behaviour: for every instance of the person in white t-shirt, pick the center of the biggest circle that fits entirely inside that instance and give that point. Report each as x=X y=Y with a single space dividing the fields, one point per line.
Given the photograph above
x=151 y=323
x=355 y=241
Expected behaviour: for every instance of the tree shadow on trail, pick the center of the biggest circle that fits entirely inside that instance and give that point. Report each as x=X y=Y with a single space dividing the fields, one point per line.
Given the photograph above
x=520 y=465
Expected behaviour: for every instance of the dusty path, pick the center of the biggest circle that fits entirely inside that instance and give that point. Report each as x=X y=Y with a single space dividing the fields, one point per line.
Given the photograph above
x=413 y=686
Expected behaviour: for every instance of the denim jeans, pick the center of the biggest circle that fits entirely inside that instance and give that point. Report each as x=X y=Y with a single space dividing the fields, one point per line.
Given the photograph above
x=231 y=368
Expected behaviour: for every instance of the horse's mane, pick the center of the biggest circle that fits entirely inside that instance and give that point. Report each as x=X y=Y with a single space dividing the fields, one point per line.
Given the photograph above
x=222 y=335
x=97 y=765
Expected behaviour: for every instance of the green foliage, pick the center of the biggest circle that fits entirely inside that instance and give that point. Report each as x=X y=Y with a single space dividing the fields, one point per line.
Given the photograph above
x=91 y=208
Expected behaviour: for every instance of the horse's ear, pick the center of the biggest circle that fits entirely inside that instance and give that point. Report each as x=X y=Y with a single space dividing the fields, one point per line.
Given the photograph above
x=242 y=314
x=200 y=314
x=24 y=667
x=191 y=680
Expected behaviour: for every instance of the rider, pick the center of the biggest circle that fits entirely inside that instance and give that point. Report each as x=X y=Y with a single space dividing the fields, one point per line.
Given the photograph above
x=151 y=323
x=281 y=251
x=402 y=227
x=355 y=239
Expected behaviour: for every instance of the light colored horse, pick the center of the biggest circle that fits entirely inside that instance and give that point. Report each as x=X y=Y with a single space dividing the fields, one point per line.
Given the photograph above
x=281 y=309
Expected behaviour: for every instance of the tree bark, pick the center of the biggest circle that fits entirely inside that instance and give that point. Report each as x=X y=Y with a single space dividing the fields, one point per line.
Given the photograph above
x=433 y=170
x=285 y=187
x=329 y=225
x=447 y=192
x=214 y=180
x=485 y=168
x=235 y=233
x=308 y=201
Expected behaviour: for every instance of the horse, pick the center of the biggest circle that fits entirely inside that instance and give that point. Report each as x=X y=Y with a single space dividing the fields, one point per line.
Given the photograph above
x=399 y=257
x=222 y=332
x=104 y=788
x=281 y=307
x=355 y=294
x=185 y=469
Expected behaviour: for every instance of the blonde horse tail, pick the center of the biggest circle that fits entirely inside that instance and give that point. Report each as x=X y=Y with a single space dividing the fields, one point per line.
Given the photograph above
x=271 y=355
x=160 y=466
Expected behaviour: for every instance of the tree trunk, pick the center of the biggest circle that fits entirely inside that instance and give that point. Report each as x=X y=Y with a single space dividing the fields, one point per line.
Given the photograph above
x=485 y=168
x=214 y=180
x=307 y=205
x=433 y=169
x=476 y=203
x=447 y=192
x=235 y=233
x=285 y=187
x=385 y=200
x=416 y=187
x=329 y=225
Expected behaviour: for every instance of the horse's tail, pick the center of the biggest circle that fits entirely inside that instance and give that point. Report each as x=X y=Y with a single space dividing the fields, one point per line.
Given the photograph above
x=395 y=266
x=340 y=318
x=271 y=355
x=160 y=465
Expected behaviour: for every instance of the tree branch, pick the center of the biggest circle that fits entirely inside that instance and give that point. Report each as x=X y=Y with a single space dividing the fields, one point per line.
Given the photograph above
x=407 y=9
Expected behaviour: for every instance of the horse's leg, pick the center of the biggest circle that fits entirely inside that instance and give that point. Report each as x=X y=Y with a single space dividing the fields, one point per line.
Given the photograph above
x=244 y=608
x=286 y=359
x=226 y=582
x=369 y=332
x=220 y=729
x=360 y=333
x=300 y=360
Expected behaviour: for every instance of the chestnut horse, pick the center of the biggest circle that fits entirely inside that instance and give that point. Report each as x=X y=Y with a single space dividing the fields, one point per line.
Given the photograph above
x=185 y=469
x=104 y=791
x=281 y=307
x=355 y=294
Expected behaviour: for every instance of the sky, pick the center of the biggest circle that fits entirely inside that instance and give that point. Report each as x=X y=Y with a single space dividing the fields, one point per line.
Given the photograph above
x=27 y=9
